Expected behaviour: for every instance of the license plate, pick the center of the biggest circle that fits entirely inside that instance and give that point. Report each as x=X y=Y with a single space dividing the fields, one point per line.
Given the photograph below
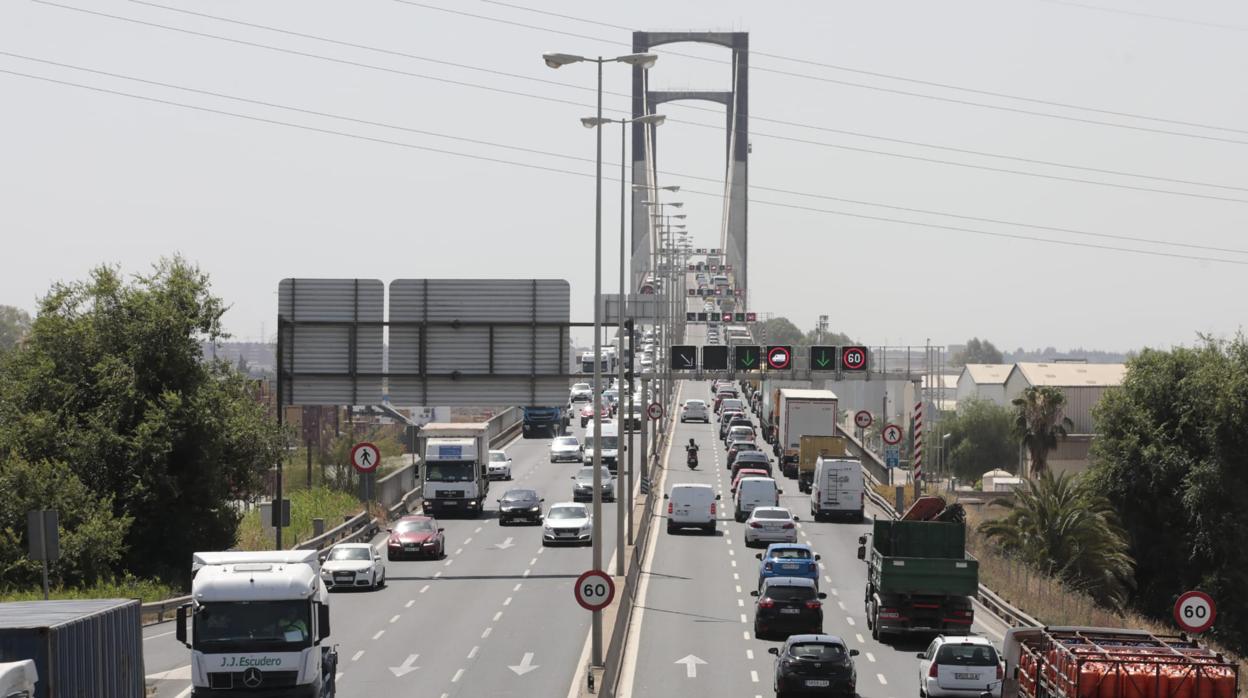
x=451 y=504
x=790 y=567
x=565 y=534
x=818 y=683
x=966 y=677
x=792 y=611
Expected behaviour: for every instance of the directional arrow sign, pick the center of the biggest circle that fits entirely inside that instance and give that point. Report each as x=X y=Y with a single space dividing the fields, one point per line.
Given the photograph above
x=504 y=545
x=691 y=663
x=746 y=358
x=407 y=667
x=822 y=358
x=526 y=665
x=684 y=357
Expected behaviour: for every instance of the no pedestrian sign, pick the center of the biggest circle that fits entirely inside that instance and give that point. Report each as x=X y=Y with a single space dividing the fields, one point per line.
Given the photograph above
x=892 y=434
x=365 y=457
x=594 y=590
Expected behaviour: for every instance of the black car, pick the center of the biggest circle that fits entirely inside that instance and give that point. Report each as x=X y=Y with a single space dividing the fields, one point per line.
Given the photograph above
x=819 y=665
x=751 y=459
x=519 y=505
x=786 y=605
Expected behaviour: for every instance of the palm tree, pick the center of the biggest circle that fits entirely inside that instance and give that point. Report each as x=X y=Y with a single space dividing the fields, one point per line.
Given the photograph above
x=1063 y=528
x=1038 y=422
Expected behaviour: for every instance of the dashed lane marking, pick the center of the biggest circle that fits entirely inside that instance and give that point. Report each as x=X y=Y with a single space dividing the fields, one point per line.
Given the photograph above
x=473 y=652
x=356 y=657
x=424 y=588
x=394 y=619
x=507 y=602
x=859 y=636
x=744 y=619
x=457 y=676
x=883 y=681
x=497 y=616
x=457 y=551
x=486 y=633
x=409 y=603
x=379 y=634
x=849 y=620
x=516 y=588
x=870 y=657
x=466 y=542
x=753 y=676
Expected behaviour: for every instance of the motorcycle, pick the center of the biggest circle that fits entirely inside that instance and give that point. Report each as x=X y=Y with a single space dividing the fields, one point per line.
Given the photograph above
x=691 y=459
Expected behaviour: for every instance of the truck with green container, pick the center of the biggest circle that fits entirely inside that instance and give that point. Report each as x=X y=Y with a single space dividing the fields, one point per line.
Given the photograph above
x=919 y=577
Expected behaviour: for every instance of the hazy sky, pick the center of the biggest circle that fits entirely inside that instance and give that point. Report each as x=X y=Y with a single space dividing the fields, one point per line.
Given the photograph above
x=88 y=177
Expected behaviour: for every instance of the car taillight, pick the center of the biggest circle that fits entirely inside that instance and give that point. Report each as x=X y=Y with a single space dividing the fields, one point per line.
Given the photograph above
x=712 y=508
x=813 y=604
x=755 y=524
x=669 y=508
x=788 y=525
x=766 y=603
x=767 y=566
x=1000 y=672
x=932 y=672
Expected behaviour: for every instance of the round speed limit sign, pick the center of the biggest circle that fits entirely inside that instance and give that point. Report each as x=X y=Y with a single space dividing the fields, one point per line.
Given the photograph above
x=594 y=590
x=1195 y=611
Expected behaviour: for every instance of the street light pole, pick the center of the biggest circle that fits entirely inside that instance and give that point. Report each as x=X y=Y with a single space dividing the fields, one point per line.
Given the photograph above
x=556 y=60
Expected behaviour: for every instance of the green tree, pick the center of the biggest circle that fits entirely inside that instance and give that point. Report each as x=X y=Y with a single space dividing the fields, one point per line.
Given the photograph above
x=1062 y=527
x=981 y=438
x=1171 y=453
x=978 y=352
x=111 y=382
x=91 y=533
x=778 y=330
x=14 y=324
x=1039 y=422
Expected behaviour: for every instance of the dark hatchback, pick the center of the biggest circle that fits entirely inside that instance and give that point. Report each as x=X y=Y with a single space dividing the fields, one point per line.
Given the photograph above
x=815 y=665
x=751 y=459
x=519 y=505
x=787 y=604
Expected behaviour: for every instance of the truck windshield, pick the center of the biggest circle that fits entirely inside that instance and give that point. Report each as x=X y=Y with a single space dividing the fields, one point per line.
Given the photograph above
x=253 y=626
x=608 y=442
x=450 y=471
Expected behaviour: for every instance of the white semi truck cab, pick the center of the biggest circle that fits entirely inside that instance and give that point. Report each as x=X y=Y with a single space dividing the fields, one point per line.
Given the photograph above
x=259 y=621
x=454 y=467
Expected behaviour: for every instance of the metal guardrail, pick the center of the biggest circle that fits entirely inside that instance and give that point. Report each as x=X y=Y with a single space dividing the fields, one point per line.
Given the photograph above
x=363 y=525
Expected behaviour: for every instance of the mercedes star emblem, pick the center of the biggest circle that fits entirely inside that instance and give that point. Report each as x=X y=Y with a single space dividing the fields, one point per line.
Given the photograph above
x=252 y=677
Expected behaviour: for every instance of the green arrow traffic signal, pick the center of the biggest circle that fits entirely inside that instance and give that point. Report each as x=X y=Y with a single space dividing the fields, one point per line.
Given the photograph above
x=823 y=357
x=746 y=356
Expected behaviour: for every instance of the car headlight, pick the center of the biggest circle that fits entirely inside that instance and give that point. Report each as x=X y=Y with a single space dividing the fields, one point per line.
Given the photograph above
x=535 y=508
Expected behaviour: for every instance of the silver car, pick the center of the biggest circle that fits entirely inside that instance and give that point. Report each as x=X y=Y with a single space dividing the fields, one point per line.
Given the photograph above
x=583 y=485
x=770 y=525
x=567 y=522
x=565 y=448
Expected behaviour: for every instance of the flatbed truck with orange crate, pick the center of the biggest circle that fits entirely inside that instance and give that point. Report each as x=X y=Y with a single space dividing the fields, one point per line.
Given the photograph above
x=1087 y=662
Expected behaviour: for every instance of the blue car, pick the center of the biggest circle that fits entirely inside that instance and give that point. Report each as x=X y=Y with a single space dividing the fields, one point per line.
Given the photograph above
x=788 y=560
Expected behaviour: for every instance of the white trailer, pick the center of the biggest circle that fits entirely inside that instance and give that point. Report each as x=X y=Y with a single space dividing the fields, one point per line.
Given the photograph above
x=802 y=413
x=261 y=619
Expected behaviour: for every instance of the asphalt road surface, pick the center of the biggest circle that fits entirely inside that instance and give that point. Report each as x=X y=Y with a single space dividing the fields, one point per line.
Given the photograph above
x=495 y=618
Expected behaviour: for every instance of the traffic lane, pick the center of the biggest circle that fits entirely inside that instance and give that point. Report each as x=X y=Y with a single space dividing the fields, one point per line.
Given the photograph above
x=696 y=624
x=467 y=652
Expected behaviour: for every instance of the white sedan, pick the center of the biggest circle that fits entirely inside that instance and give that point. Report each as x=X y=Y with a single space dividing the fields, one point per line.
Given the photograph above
x=568 y=522
x=353 y=565
x=499 y=467
x=770 y=525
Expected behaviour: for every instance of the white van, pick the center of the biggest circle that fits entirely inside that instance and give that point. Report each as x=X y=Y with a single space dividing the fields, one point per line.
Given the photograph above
x=837 y=489
x=755 y=492
x=610 y=444
x=691 y=505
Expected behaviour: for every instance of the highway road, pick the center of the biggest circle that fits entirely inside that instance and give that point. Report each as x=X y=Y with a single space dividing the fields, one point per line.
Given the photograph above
x=693 y=634
x=495 y=618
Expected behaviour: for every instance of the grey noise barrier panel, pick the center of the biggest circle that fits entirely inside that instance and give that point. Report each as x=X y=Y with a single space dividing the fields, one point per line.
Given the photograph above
x=455 y=342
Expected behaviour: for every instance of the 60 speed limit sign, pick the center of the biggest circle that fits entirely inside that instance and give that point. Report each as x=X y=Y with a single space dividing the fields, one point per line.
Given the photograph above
x=594 y=590
x=1195 y=611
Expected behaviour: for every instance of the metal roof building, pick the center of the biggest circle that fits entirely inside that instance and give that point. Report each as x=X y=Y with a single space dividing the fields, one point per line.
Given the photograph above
x=983 y=382
x=1083 y=385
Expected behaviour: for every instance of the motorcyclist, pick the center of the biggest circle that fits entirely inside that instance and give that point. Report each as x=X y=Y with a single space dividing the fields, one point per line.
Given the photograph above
x=691 y=454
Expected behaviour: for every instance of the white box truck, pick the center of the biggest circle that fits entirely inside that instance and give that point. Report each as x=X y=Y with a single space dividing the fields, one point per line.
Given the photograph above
x=259 y=624
x=802 y=413
x=454 y=467
x=837 y=490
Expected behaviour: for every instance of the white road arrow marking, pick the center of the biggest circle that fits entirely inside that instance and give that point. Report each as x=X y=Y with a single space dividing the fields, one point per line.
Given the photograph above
x=407 y=666
x=504 y=545
x=691 y=663
x=526 y=665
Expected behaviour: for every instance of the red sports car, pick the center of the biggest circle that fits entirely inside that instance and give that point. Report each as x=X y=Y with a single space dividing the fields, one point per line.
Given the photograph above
x=416 y=536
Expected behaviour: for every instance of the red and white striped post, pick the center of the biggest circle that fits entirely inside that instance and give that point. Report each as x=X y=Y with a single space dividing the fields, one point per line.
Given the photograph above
x=918 y=441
